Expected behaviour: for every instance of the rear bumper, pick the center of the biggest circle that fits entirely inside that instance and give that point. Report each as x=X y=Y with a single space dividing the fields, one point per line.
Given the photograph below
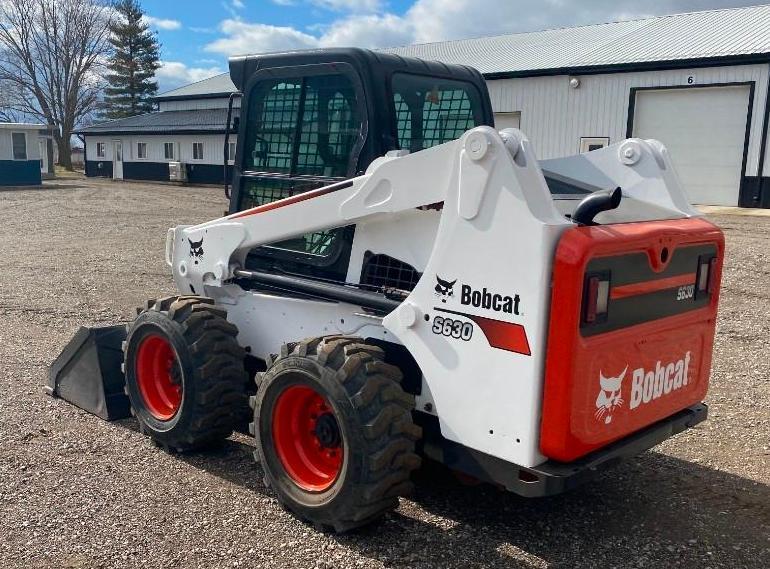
x=553 y=477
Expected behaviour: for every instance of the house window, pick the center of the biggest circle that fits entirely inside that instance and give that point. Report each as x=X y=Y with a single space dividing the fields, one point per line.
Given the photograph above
x=100 y=149
x=141 y=150
x=197 y=150
x=587 y=144
x=230 y=152
x=168 y=150
x=19 y=145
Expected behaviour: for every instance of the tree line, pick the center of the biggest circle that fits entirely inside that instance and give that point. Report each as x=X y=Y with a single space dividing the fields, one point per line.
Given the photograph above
x=68 y=63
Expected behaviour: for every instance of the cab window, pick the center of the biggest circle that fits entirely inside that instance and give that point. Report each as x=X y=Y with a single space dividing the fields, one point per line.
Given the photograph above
x=303 y=126
x=430 y=111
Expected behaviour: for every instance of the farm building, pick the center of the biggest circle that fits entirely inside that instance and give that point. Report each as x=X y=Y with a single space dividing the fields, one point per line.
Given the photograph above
x=26 y=155
x=698 y=82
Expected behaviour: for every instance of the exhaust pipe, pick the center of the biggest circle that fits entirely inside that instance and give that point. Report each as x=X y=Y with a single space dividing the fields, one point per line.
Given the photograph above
x=595 y=203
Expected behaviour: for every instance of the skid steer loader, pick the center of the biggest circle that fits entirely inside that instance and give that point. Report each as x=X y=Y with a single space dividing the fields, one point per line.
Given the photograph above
x=395 y=279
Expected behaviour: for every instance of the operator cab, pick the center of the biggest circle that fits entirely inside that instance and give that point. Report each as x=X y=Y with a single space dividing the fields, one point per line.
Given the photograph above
x=312 y=118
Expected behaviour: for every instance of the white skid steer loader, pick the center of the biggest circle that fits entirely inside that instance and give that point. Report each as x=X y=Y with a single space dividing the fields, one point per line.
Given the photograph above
x=396 y=280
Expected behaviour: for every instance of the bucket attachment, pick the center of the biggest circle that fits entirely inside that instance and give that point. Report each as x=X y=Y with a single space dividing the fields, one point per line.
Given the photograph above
x=88 y=372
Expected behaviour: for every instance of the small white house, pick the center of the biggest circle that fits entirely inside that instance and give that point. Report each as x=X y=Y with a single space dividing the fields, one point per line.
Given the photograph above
x=25 y=154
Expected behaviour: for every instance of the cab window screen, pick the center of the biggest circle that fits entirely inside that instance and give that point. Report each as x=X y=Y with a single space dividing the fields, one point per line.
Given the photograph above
x=272 y=123
x=303 y=126
x=431 y=111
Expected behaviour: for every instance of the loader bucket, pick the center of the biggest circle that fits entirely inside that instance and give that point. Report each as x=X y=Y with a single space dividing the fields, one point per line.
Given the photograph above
x=88 y=372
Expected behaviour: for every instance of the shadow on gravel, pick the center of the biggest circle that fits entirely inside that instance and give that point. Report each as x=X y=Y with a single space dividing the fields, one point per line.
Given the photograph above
x=651 y=510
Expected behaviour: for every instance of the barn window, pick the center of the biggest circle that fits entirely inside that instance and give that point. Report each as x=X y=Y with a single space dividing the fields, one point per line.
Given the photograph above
x=100 y=149
x=141 y=150
x=19 y=145
x=197 y=148
x=168 y=150
x=230 y=152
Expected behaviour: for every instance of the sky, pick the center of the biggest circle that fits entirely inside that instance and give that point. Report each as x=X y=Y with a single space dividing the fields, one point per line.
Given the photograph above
x=197 y=36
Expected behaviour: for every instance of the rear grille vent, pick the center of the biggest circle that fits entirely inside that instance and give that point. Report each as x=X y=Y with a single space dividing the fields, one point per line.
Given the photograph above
x=385 y=271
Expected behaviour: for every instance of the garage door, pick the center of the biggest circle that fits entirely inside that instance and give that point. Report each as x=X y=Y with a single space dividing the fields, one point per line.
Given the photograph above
x=704 y=130
x=507 y=120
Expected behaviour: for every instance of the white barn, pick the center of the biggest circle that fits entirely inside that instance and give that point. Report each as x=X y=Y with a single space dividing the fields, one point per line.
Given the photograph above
x=698 y=82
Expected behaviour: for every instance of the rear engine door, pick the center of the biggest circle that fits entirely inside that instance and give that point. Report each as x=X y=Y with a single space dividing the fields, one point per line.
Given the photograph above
x=633 y=317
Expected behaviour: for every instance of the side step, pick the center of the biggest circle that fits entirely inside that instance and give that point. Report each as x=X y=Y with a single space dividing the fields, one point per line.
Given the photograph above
x=88 y=372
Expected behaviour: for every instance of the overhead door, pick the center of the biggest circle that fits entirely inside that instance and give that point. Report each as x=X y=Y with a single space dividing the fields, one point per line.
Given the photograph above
x=704 y=130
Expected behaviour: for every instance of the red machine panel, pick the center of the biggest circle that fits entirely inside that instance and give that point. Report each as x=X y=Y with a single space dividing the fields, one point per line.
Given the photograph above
x=633 y=315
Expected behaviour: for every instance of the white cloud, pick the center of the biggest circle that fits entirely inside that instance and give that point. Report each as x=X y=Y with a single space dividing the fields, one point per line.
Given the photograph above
x=356 y=30
x=369 y=31
x=348 y=5
x=241 y=37
x=173 y=74
x=162 y=23
x=232 y=7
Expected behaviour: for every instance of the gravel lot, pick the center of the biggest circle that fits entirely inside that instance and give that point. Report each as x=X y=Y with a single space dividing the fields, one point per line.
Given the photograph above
x=76 y=491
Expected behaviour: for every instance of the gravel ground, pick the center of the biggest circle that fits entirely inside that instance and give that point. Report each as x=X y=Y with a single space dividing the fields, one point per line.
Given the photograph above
x=76 y=491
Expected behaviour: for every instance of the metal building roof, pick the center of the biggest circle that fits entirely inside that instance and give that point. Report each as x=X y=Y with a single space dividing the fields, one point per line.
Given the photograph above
x=736 y=33
x=21 y=126
x=217 y=86
x=166 y=122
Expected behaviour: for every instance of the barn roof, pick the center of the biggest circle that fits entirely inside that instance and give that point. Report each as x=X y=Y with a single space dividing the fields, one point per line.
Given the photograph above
x=217 y=86
x=714 y=36
x=198 y=121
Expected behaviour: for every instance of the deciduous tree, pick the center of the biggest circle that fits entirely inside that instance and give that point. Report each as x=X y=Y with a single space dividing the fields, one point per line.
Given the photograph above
x=52 y=54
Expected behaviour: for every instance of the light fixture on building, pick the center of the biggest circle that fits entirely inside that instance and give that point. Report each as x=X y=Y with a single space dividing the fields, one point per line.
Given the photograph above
x=574 y=82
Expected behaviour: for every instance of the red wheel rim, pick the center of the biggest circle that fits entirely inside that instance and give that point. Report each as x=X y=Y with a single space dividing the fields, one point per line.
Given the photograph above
x=307 y=438
x=158 y=377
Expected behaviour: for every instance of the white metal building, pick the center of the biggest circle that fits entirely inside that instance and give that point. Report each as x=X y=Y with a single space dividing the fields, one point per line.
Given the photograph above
x=698 y=82
x=26 y=155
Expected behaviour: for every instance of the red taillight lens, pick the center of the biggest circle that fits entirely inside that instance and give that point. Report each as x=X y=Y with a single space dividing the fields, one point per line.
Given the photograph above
x=596 y=299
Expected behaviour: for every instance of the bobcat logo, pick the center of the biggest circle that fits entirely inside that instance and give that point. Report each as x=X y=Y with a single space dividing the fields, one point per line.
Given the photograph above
x=444 y=288
x=609 y=398
x=196 y=249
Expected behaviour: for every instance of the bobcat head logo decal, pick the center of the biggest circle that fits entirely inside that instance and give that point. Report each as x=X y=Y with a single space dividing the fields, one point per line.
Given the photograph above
x=609 y=398
x=196 y=249
x=444 y=288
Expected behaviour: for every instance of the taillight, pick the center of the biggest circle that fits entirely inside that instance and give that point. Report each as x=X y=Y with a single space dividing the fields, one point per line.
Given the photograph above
x=596 y=298
x=706 y=280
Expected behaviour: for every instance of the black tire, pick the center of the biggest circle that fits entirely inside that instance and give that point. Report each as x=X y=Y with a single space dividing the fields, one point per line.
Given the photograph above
x=377 y=432
x=208 y=364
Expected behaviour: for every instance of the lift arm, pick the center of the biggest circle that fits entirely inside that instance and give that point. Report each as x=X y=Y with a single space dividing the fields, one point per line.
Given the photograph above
x=209 y=254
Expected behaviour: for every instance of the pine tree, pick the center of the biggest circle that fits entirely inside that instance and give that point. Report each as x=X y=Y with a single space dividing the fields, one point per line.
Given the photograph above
x=132 y=65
